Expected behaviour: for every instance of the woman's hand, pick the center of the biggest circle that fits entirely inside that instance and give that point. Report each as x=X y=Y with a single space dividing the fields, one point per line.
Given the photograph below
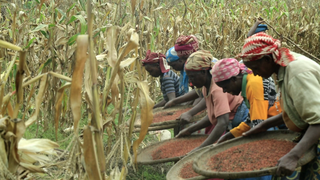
x=260 y=20
x=185 y=118
x=169 y=104
x=225 y=137
x=183 y=133
x=287 y=165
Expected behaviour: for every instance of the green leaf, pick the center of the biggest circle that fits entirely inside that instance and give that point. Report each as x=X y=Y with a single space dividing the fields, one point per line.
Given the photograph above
x=71 y=7
x=44 y=65
x=82 y=22
x=41 y=26
x=45 y=34
x=29 y=43
x=72 y=39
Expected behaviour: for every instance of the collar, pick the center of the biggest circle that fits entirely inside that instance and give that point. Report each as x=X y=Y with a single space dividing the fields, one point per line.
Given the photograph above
x=281 y=73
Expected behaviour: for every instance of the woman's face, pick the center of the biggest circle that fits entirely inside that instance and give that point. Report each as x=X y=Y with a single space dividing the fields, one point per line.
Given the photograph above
x=178 y=65
x=197 y=78
x=263 y=67
x=231 y=86
x=153 y=69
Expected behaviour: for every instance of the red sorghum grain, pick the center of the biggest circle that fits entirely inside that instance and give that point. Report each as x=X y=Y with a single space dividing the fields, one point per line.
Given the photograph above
x=168 y=116
x=187 y=171
x=176 y=148
x=250 y=156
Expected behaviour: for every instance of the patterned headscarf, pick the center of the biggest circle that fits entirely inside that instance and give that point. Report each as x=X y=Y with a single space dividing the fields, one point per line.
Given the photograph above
x=152 y=58
x=200 y=60
x=186 y=45
x=261 y=44
x=171 y=55
x=224 y=69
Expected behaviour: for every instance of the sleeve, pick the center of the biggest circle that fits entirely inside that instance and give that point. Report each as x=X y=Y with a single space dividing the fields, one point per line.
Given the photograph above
x=221 y=102
x=304 y=90
x=241 y=128
x=258 y=105
x=168 y=85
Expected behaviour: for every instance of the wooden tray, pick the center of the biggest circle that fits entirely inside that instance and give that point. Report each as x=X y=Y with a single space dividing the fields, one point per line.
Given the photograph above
x=173 y=173
x=200 y=167
x=145 y=157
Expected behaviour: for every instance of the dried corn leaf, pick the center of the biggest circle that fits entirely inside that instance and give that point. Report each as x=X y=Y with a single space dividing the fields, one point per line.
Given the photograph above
x=8 y=45
x=90 y=156
x=146 y=106
x=3 y=153
x=77 y=79
x=58 y=107
x=39 y=99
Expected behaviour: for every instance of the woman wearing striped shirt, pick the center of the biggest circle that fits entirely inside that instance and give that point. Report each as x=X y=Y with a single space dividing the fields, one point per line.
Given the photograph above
x=156 y=65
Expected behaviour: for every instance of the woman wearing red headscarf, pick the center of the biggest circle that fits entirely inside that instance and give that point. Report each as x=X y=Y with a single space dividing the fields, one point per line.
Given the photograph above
x=156 y=65
x=298 y=78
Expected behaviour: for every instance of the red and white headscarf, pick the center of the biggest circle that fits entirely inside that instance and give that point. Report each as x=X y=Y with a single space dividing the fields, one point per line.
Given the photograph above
x=152 y=58
x=227 y=68
x=186 y=45
x=261 y=44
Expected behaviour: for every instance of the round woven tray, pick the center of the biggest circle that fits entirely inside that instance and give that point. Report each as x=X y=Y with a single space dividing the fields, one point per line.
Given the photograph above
x=174 y=172
x=171 y=123
x=200 y=165
x=145 y=155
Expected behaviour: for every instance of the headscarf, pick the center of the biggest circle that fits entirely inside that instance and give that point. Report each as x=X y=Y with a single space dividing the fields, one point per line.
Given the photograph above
x=152 y=58
x=260 y=28
x=200 y=60
x=261 y=44
x=224 y=69
x=186 y=45
x=171 y=55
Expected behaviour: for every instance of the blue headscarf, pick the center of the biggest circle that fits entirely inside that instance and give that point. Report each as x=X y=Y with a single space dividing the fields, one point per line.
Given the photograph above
x=172 y=56
x=260 y=28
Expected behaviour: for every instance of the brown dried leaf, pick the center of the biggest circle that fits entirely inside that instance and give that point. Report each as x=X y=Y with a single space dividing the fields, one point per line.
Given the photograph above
x=90 y=156
x=58 y=106
x=77 y=79
x=146 y=106
x=39 y=99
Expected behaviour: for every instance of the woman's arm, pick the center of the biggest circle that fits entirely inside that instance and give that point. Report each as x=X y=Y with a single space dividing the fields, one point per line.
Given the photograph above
x=187 y=116
x=254 y=27
x=288 y=163
x=160 y=104
x=222 y=124
x=203 y=123
x=184 y=98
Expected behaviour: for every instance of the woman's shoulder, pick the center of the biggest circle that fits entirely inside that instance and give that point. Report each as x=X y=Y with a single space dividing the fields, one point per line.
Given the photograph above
x=301 y=65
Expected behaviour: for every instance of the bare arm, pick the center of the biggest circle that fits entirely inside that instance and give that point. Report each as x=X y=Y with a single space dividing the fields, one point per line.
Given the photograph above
x=288 y=163
x=171 y=96
x=184 y=98
x=254 y=27
x=263 y=126
x=216 y=133
x=160 y=104
x=199 y=107
x=203 y=123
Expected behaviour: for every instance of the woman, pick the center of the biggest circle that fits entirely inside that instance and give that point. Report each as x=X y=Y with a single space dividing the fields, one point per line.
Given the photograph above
x=224 y=110
x=178 y=55
x=156 y=65
x=298 y=77
x=259 y=94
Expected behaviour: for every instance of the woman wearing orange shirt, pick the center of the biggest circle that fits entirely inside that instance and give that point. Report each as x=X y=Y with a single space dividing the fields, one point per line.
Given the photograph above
x=259 y=94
